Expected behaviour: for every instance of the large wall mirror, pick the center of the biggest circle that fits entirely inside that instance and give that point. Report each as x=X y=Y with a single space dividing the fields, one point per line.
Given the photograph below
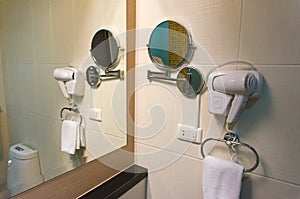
x=36 y=38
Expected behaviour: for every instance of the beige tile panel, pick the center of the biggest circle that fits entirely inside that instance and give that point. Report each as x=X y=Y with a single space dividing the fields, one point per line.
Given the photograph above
x=187 y=178
x=159 y=10
x=158 y=163
x=214 y=25
x=26 y=32
x=260 y=187
x=50 y=98
x=270 y=32
x=272 y=124
x=10 y=32
x=62 y=30
x=42 y=31
x=87 y=21
x=30 y=87
x=108 y=143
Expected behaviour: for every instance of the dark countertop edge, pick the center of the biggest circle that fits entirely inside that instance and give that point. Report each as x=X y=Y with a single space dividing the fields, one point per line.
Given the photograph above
x=119 y=184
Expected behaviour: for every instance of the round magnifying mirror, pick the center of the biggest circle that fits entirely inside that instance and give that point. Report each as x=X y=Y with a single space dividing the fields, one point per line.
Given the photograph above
x=191 y=81
x=170 y=45
x=105 y=50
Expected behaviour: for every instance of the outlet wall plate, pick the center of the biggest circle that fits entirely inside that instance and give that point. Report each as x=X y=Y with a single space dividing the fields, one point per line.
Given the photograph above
x=95 y=114
x=189 y=133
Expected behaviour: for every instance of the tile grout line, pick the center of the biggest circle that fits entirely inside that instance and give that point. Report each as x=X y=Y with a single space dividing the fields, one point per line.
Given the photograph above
x=240 y=28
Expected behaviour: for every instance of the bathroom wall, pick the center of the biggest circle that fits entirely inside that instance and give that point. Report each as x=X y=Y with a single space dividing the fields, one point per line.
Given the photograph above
x=38 y=36
x=2 y=97
x=263 y=32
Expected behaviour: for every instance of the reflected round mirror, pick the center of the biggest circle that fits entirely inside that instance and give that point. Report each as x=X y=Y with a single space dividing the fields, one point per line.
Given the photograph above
x=170 y=45
x=105 y=50
x=192 y=81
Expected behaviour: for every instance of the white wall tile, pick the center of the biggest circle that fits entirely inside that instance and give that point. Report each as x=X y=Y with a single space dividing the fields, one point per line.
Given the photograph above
x=187 y=178
x=42 y=31
x=159 y=10
x=271 y=124
x=10 y=33
x=62 y=30
x=26 y=32
x=270 y=32
x=47 y=105
x=158 y=162
x=259 y=187
x=13 y=86
x=30 y=87
x=215 y=25
x=108 y=143
x=87 y=21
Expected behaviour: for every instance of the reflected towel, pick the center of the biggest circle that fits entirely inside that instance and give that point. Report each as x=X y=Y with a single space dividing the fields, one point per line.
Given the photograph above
x=69 y=135
x=82 y=135
x=221 y=178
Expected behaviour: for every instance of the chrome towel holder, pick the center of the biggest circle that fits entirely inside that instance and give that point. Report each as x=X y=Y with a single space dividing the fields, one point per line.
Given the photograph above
x=232 y=141
x=76 y=111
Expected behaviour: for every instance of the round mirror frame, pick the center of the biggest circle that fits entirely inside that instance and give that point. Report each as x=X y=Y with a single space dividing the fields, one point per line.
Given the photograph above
x=188 y=55
x=95 y=43
x=191 y=86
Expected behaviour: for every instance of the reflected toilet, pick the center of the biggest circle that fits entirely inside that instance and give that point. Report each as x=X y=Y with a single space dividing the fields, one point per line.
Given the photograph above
x=23 y=170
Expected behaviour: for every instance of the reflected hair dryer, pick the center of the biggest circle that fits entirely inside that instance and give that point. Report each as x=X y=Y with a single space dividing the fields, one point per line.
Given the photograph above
x=70 y=81
x=229 y=92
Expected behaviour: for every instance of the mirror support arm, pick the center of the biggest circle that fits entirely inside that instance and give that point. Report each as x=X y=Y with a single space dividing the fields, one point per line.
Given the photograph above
x=162 y=76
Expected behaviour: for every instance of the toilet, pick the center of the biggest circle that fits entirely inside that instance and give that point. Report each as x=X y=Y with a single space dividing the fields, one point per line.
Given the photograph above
x=23 y=170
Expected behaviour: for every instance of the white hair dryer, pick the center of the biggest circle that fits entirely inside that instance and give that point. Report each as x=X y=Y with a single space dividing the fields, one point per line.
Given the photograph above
x=70 y=81
x=229 y=91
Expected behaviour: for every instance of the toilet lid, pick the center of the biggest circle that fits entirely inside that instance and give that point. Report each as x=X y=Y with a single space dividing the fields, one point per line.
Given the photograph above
x=22 y=152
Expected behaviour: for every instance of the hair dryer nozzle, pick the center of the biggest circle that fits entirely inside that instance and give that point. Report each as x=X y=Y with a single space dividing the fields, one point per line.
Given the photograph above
x=240 y=82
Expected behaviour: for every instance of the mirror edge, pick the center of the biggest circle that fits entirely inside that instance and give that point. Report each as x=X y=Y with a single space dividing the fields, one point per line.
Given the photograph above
x=187 y=58
x=94 y=173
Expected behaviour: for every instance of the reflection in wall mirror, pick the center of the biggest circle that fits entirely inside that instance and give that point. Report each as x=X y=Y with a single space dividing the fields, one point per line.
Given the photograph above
x=105 y=49
x=193 y=81
x=105 y=53
x=170 y=45
x=55 y=34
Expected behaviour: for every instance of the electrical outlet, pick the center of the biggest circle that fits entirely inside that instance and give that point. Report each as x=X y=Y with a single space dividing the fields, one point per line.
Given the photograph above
x=189 y=133
x=95 y=114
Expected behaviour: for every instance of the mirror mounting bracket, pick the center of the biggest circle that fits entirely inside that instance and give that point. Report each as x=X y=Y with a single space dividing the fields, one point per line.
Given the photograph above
x=151 y=75
x=94 y=78
x=189 y=80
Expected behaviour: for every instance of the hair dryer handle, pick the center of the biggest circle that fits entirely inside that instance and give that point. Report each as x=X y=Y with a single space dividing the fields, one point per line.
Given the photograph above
x=63 y=89
x=238 y=104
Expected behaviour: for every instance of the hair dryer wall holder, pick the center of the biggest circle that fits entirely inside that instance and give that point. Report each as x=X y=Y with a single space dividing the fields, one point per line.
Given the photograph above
x=166 y=75
x=230 y=90
x=94 y=77
x=233 y=142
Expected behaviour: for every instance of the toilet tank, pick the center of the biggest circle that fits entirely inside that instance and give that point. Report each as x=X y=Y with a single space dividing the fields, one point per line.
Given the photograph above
x=23 y=170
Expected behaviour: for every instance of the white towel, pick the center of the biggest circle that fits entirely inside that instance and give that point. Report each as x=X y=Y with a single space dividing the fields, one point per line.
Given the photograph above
x=82 y=135
x=221 y=178
x=69 y=134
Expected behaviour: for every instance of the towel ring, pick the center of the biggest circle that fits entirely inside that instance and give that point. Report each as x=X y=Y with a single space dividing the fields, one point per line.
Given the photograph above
x=231 y=140
x=70 y=109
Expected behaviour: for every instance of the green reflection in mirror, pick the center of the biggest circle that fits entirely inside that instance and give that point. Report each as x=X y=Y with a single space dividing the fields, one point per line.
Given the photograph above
x=170 y=45
x=193 y=81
